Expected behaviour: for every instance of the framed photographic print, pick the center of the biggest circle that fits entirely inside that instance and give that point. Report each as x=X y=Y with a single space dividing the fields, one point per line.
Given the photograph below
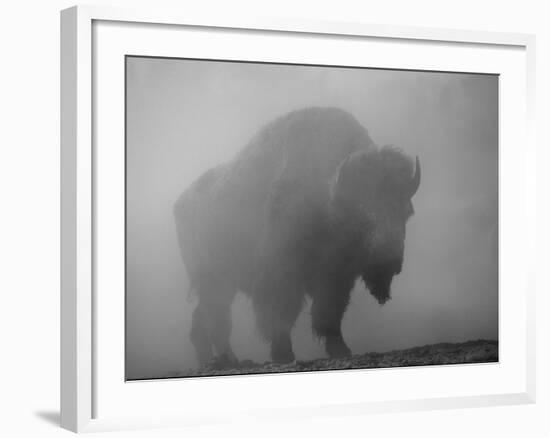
x=257 y=208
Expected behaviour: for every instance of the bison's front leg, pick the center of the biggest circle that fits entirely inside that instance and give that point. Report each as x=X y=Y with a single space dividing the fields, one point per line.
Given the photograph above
x=327 y=312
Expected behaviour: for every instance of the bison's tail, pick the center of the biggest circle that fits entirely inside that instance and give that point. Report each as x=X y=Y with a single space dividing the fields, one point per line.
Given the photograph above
x=189 y=250
x=191 y=289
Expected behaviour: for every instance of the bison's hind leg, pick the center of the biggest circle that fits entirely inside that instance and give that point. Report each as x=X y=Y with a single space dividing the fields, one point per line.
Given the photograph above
x=200 y=336
x=277 y=303
x=211 y=327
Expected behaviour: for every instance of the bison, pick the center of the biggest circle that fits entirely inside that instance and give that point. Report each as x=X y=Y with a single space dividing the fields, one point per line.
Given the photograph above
x=306 y=208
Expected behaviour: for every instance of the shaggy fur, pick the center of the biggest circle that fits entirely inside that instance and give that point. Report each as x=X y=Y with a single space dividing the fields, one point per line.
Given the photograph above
x=307 y=207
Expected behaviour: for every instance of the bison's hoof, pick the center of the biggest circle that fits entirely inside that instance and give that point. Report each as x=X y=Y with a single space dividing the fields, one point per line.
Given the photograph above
x=224 y=361
x=282 y=356
x=281 y=349
x=337 y=350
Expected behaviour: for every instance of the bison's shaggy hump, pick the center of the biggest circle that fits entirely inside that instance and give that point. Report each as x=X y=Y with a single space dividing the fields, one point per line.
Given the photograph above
x=225 y=207
x=304 y=144
x=312 y=129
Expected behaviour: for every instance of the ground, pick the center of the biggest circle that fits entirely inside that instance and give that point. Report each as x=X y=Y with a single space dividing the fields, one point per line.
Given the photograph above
x=479 y=351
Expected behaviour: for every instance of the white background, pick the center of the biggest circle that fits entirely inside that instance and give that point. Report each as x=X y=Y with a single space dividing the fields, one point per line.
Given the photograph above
x=29 y=181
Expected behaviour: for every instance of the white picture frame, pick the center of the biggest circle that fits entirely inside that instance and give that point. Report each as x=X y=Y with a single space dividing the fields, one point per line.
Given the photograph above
x=82 y=373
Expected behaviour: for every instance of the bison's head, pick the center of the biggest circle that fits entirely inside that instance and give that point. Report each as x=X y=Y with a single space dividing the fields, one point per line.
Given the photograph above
x=372 y=194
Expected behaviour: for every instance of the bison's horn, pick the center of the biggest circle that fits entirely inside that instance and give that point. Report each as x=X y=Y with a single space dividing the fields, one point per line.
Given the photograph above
x=415 y=182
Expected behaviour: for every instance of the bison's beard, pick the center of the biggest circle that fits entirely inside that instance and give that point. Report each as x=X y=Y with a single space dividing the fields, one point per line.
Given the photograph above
x=378 y=282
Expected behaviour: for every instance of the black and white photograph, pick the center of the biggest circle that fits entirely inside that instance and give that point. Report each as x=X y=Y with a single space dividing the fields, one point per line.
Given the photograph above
x=290 y=217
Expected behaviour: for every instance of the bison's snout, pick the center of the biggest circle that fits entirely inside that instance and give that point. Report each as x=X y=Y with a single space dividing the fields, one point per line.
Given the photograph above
x=379 y=285
x=378 y=274
x=393 y=266
x=387 y=256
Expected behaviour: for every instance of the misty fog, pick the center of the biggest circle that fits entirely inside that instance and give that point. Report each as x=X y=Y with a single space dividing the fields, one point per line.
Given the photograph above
x=184 y=117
